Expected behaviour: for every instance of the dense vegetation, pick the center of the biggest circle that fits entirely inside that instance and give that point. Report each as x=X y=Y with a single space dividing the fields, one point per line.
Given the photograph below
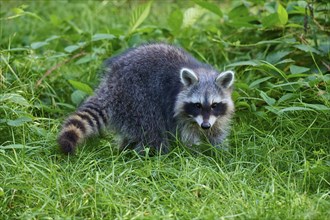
x=277 y=165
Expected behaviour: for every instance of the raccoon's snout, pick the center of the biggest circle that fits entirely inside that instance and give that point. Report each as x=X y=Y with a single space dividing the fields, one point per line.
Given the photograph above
x=206 y=125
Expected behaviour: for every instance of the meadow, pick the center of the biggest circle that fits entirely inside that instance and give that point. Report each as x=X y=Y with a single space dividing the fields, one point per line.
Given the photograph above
x=276 y=163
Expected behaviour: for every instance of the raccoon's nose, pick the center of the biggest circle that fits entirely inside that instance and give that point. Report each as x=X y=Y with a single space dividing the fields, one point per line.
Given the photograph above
x=206 y=125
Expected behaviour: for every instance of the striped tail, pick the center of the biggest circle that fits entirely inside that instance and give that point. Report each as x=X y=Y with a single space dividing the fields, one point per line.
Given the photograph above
x=88 y=120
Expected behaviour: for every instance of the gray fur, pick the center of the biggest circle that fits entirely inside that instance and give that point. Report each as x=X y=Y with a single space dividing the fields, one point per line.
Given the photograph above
x=144 y=91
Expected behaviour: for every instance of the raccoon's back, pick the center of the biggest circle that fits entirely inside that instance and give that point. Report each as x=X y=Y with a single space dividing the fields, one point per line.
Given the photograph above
x=142 y=85
x=150 y=62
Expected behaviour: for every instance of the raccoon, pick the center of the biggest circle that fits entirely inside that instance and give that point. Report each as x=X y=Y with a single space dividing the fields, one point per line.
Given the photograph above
x=150 y=94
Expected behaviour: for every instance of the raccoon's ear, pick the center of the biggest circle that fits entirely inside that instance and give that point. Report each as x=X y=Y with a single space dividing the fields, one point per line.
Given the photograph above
x=188 y=77
x=225 y=79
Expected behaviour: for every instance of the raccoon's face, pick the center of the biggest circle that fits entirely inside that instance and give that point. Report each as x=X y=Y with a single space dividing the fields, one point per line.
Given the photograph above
x=205 y=114
x=206 y=96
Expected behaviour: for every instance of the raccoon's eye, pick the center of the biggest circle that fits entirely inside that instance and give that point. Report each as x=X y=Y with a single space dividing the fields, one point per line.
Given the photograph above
x=198 y=105
x=214 y=105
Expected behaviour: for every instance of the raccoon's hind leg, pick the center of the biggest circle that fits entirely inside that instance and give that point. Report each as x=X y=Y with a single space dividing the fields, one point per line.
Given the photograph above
x=89 y=119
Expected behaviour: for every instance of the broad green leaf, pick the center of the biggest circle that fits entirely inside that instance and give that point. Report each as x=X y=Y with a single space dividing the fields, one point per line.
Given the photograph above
x=318 y=107
x=18 y=10
x=240 y=17
x=71 y=48
x=296 y=7
x=270 y=20
x=242 y=22
x=81 y=86
x=57 y=55
x=282 y=14
x=286 y=97
x=273 y=109
x=97 y=37
x=276 y=56
x=307 y=48
x=191 y=15
x=209 y=6
x=19 y=121
x=85 y=59
x=285 y=61
x=270 y=6
x=298 y=69
x=258 y=81
x=78 y=96
x=270 y=101
x=37 y=45
x=175 y=20
x=139 y=15
x=238 y=12
x=245 y=63
x=15 y=98
x=134 y=39
x=148 y=29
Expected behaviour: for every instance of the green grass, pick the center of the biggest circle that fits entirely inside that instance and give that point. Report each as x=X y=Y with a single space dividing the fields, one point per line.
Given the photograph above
x=277 y=165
